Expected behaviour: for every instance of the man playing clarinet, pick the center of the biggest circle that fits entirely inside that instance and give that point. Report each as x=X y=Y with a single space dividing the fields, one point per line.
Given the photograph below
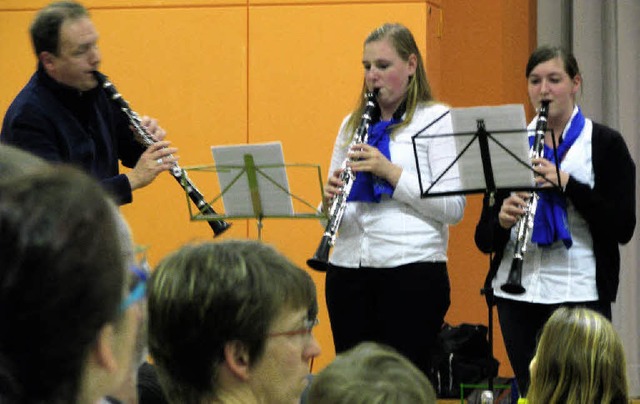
x=63 y=116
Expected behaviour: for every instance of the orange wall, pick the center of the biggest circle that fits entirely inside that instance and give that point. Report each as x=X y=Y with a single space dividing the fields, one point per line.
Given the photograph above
x=485 y=47
x=249 y=71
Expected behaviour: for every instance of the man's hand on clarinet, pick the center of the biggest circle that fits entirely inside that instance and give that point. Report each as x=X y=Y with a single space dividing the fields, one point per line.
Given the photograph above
x=153 y=128
x=156 y=158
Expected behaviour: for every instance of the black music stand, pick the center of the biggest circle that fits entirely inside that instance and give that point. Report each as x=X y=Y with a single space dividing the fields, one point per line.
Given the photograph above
x=496 y=139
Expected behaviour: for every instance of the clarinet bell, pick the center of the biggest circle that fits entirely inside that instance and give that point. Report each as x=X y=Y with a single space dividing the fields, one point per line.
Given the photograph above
x=320 y=261
x=514 y=280
x=218 y=226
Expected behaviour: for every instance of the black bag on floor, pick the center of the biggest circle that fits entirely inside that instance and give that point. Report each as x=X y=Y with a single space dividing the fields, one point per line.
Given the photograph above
x=461 y=356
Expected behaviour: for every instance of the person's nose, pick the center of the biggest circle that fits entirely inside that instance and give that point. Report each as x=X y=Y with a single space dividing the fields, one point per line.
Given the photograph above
x=312 y=349
x=544 y=87
x=94 y=57
x=372 y=74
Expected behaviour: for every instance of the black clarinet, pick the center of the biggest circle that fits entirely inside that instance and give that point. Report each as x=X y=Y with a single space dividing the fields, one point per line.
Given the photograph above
x=143 y=137
x=524 y=227
x=319 y=262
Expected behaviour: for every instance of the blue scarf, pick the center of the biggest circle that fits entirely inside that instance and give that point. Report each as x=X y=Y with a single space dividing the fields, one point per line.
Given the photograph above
x=368 y=187
x=550 y=223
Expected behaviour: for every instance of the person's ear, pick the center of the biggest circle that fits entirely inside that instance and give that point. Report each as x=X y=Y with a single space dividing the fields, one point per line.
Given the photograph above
x=412 y=64
x=47 y=59
x=577 y=82
x=102 y=353
x=236 y=356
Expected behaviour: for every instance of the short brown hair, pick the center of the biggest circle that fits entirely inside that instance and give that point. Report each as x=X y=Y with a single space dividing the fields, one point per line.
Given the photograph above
x=45 y=28
x=206 y=295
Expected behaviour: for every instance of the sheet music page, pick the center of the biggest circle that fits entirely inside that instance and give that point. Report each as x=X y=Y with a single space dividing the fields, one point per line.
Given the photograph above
x=237 y=199
x=509 y=172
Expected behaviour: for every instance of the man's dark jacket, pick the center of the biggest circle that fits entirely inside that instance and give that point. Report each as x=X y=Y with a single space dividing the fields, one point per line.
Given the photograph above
x=64 y=125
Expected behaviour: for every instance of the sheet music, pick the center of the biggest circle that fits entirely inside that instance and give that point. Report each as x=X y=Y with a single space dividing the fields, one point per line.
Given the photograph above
x=508 y=172
x=237 y=199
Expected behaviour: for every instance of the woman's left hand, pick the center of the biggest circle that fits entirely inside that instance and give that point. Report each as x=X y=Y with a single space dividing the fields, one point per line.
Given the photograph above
x=549 y=175
x=364 y=157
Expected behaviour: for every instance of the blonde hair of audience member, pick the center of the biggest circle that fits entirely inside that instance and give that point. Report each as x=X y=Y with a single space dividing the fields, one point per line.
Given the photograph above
x=231 y=321
x=371 y=373
x=65 y=337
x=579 y=359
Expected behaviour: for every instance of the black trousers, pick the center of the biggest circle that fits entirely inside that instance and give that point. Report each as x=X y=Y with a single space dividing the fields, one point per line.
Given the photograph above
x=402 y=307
x=521 y=325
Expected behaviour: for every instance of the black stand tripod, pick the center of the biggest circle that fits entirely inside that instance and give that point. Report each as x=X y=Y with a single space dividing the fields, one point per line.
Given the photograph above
x=507 y=151
x=491 y=190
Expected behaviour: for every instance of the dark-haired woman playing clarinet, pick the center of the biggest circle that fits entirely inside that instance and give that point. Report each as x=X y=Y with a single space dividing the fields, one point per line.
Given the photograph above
x=572 y=258
x=389 y=259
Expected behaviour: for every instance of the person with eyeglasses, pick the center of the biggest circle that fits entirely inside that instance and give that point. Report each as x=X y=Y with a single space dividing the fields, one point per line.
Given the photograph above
x=65 y=336
x=138 y=275
x=230 y=322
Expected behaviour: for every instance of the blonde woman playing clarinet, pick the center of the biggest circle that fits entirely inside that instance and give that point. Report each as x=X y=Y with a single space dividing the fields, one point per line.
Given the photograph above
x=389 y=261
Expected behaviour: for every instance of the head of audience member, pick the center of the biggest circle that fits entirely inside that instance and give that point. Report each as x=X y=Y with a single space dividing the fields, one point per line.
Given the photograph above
x=553 y=74
x=14 y=161
x=65 y=42
x=140 y=271
x=579 y=359
x=66 y=338
x=232 y=322
x=371 y=373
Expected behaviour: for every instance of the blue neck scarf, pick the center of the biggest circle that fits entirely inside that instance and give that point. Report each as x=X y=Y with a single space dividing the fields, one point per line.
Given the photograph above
x=550 y=222
x=368 y=187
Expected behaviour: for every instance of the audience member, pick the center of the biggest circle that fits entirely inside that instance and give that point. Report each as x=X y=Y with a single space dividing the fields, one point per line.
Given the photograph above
x=67 y=334
x=579 y=359
x=371 y=373
x=231 y=321
x=14 y=161
x=148 y=386
x=129 y=392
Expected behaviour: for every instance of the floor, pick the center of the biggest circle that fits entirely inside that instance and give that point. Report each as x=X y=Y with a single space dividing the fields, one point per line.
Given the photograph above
x=451 y=401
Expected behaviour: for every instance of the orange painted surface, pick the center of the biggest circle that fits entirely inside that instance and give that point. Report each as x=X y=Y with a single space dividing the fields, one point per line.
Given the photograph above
x=251 y=71
x=485 y=47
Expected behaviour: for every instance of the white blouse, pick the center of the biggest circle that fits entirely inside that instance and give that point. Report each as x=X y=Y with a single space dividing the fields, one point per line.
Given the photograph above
x=403 y=228
x=555 y=274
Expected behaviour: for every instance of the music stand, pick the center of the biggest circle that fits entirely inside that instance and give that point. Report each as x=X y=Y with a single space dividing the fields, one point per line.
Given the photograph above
x=494 y=138
x=254 y=184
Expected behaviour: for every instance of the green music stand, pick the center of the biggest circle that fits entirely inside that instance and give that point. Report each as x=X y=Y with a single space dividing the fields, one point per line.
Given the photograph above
x=254 y=185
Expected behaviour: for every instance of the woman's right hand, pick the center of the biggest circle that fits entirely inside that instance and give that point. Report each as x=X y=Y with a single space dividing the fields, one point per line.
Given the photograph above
x=513 y=208
x=331 y=189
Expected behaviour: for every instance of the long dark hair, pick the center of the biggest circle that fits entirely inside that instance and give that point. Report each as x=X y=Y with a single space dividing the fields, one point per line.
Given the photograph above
x=61 y=280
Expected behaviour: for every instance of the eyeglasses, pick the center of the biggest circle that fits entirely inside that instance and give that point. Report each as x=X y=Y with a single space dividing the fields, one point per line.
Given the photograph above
x=306 y=330
x=138 y=290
